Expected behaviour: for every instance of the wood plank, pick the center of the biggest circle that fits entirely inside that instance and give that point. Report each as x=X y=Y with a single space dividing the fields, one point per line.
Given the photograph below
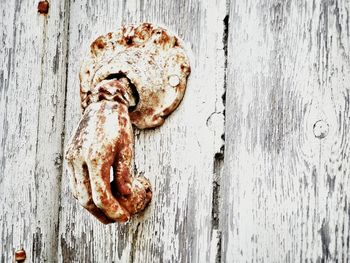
x=178 y=157
x=286 y=192
x=32 y=96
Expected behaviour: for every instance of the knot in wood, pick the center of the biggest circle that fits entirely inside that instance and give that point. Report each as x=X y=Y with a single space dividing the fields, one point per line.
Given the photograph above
x=321 y=129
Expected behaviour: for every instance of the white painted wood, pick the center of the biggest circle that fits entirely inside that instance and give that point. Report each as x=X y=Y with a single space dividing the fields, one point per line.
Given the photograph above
x=286 y=193
x=178 y=157
x=32 y=95
x=283 y=195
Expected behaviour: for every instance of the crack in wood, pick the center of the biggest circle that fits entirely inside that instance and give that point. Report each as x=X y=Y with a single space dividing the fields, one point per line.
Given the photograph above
x=133 y=249
x=66 y=60
x=326 y=240
x=219 y=157
x=216 y=205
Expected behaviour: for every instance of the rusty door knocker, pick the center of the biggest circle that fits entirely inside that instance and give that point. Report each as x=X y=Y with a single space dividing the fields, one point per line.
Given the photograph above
x=136 y=76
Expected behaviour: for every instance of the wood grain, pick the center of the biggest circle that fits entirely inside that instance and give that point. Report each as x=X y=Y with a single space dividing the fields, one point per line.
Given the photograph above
x=177 y=157
x=280 y=195
x=285 y=192
x=32 y=95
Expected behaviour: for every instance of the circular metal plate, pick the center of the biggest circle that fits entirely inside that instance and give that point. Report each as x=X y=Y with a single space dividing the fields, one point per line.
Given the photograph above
x=152 y=59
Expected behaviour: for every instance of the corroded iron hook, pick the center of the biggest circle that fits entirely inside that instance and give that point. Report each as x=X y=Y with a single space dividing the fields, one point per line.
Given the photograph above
x=136 y=76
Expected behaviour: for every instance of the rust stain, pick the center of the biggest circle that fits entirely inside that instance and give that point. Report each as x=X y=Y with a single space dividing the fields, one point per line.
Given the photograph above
x=109 y=35
x=43 y=7
x=163 y=39
x=123 y=182
x=99 y=43
x=136 y=116
x=149 y=111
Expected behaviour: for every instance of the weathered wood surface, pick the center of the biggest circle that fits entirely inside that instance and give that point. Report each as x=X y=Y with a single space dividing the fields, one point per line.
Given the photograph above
x=178 y=157
x=283 y=193
x=32 y=99
x=286 y=193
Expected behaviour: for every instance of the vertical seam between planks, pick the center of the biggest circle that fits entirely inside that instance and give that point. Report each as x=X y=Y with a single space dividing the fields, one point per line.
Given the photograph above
x=219 y=158
x=133 y=243
x=66 y=41
x=225 y=38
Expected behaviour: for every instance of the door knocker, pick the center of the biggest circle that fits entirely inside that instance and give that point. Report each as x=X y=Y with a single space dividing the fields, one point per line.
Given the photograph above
x=136 y=76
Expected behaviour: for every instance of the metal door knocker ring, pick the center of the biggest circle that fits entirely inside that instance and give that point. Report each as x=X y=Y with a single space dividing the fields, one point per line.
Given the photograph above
x=136 y=76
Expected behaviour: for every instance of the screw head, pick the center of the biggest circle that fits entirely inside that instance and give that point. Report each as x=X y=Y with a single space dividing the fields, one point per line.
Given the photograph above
x=321 y=129
x=20 y=255
x=174 y=80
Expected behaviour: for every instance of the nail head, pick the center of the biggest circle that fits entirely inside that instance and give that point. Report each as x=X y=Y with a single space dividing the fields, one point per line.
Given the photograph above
x=43 y=7
x=20 y=255
x=174 y=80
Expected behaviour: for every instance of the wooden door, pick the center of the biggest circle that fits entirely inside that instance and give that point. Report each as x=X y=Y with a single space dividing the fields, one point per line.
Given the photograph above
x=252 y=166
